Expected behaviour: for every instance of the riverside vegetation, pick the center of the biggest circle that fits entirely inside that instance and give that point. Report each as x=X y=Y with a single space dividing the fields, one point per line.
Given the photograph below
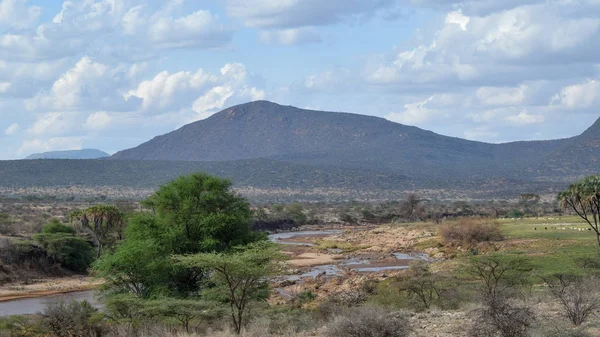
x=189 y=264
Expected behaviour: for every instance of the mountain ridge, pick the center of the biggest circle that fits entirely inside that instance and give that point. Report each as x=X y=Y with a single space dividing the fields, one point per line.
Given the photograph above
x=263 y=129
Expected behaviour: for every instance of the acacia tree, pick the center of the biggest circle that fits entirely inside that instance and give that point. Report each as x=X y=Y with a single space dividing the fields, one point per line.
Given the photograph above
x=193 y=214
x=241 y=276
x=528 y=200
x=105 y=223
x=583 y=197
x=411 y=208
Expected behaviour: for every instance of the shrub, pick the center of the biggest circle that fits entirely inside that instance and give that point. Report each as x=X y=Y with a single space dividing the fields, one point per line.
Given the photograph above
x=368 y=322
x=578 y=296
x=501 y=316
x=55 y=226
x=19 y=326
x=74 y=319
x=70 y=251
x=422 y=286
x=468 y=232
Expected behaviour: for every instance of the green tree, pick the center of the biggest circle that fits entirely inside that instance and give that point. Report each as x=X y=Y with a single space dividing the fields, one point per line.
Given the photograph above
x=583 y=197
x=62 y=246
x=241 y=276
x=105 y=223
x=193 y=214
x=296 y=212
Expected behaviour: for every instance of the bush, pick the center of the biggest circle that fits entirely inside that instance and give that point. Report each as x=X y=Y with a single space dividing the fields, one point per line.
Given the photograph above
x=70 y=251
x=468 y=232
x=368 y=322
x=578 y=296
x=502 y=317
x=19 y=326
x=74 y=319
x=55 y=226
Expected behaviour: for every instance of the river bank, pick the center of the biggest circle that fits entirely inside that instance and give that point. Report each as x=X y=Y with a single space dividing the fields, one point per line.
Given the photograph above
x=47 y=287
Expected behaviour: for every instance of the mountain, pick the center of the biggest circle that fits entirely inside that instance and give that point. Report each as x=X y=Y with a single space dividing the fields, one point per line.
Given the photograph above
x=330 y=139
x=275 y=153
x=73 y=154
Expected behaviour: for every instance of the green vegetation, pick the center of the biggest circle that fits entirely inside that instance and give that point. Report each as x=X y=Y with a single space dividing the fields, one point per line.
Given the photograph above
x=193 y=214
x=239 y=277
x=105 y=224
x=62 y=246
x=583 y=197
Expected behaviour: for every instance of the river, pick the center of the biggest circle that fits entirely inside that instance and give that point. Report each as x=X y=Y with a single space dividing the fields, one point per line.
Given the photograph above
x=31 y=306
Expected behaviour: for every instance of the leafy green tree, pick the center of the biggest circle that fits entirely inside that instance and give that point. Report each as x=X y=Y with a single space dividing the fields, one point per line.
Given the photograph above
x=583 y=197
x=241 y=276
x=193 y=214
x=105 y=223
x=62 y=246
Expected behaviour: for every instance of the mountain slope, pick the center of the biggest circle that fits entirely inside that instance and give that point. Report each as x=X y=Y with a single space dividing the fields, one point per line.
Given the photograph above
x=268 y=130
x=73 y=154
x=579 y=156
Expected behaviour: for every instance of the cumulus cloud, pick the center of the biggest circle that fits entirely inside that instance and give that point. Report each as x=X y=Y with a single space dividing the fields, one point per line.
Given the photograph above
x=576 y=96
x=18 y=13
x=134 y=29
x=201 y=92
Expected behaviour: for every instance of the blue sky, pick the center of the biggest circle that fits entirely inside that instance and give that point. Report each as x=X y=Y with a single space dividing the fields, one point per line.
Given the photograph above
x=111 y=74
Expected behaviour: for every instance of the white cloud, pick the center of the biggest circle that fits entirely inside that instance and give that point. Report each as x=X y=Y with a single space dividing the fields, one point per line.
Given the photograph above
x=501 y=96
x=4 y=86
x=51 y=123
x=296 y=36
x=88 y=84
x=524 y=118
x=51 y=144
x=12 y=129
x=17 y=13
x=98 y=121
x=201 y=92
x=579 y=95
x=414 y=113
x=122 y=29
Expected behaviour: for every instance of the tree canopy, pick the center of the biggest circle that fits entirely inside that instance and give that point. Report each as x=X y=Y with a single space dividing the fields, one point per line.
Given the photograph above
x=193 y=214
x=240 y=276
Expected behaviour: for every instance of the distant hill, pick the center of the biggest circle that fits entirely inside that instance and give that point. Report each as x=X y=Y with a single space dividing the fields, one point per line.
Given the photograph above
x=330 y=139
x=73 y=154
x=281 y=151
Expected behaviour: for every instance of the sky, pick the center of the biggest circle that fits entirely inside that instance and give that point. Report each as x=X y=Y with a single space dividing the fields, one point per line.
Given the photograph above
x=112 y=74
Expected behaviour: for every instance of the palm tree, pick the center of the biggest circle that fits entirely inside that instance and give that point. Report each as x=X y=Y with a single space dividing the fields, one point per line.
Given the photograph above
x=583 y=197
